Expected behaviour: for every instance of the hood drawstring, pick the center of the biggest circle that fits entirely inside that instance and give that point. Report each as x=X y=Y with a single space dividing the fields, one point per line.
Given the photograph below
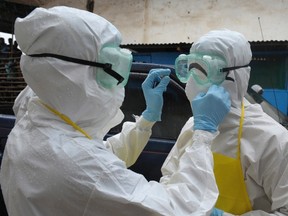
x=67 y=120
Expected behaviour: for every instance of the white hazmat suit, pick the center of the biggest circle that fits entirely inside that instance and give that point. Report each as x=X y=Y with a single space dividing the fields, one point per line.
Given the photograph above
x=264 y=142
x=49 y=168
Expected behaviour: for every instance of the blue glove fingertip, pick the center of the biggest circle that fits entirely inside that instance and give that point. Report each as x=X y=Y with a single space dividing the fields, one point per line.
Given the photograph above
x=217 y=212
x=163 y=83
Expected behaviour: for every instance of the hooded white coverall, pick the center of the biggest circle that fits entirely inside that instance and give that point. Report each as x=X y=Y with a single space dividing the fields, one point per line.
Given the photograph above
x=264 y=142
x=49 y=168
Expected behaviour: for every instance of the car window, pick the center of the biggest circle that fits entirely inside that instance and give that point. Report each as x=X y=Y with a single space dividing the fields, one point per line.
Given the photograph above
x=176 y=108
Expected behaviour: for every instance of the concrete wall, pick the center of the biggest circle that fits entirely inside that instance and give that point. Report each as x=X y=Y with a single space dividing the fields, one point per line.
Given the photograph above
x=174 y=21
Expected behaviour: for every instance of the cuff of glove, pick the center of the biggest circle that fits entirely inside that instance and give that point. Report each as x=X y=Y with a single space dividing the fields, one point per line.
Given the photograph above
x=201 y=137
x=143 y=124
x=151 y=116
x=204 y=125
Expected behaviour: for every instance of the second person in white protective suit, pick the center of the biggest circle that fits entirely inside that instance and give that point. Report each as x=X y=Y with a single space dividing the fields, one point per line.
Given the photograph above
x=56 y=162
x=251 y=151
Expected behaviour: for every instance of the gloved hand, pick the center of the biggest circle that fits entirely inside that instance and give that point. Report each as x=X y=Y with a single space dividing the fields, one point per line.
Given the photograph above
x=216 y=212
x=210 y=109
x=153 y=87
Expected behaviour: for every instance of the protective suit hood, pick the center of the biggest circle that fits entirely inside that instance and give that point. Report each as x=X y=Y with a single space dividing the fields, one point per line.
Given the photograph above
x=67 y=87
x=236 y=51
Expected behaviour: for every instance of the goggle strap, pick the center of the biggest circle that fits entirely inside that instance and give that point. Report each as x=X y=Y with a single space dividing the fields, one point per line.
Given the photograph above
x=108 y=69
x=227 y=69
x=229 y=78
x=106 y=66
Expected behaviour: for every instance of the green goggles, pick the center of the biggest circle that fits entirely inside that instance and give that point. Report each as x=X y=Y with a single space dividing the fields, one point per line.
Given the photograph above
x=113 y=72
x=119 y=60
x=203 y=68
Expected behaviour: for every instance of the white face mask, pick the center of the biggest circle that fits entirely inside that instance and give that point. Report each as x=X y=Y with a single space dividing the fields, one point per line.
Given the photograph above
x=112 y=123
x=119 y=95
x=110 y=118
x=192 y=89
x=118 y=117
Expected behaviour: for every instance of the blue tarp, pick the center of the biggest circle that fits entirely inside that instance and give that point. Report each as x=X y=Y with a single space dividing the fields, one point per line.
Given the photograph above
x=278 y=98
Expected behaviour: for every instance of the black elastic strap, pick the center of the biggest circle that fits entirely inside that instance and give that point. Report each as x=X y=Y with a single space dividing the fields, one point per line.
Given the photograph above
x=106 y=66
x=227 y=69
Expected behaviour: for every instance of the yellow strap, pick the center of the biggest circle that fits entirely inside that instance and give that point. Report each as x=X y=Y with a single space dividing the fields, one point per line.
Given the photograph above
x=67 y=120
x=233 y=196
x=239 y=152
x=240 y=131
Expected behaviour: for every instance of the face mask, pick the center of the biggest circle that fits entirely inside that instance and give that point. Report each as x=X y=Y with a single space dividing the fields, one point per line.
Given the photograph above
x=115 y=64
x=192 y=89
x=118 y=97
x=205 y=69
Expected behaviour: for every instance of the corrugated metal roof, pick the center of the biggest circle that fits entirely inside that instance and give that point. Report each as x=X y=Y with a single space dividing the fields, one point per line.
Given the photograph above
x=272 y=45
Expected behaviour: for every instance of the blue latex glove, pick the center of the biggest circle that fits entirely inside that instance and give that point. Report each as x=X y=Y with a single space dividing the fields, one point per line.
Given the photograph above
x=210 y=109
x=153 y=87
x=216 y=212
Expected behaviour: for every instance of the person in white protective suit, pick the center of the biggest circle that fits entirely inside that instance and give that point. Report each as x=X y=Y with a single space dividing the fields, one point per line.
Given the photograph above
x=251 y=151
x=55 y=160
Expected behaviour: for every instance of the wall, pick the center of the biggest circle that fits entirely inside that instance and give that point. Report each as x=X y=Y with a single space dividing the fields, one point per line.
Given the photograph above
x=174 y=21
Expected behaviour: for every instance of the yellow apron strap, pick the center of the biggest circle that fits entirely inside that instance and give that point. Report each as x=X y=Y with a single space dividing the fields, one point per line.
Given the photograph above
x=233 y=196
x=240 y=131
x=247 y=200
x=67 y=120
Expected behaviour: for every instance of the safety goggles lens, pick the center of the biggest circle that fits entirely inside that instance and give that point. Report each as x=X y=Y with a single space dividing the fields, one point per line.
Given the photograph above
x=198 y=72
x=203 y=68
x=181 y=68
x=120 y=61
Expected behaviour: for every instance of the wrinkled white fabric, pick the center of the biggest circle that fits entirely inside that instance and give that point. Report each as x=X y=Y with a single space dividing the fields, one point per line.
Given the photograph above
x=264 y=142
x=21 y=102
x=49 y=168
